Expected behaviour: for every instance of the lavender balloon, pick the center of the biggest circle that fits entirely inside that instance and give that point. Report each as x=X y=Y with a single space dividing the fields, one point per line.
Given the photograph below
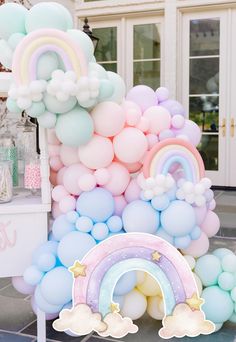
x=143 y=96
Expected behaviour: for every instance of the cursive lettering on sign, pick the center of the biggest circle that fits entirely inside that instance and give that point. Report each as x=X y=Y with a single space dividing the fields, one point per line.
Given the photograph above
x=7 y=240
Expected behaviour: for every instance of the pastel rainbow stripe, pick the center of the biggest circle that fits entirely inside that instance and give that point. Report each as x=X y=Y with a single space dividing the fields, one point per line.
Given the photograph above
x=34 y=45
x=109 y=260
x=170 y=151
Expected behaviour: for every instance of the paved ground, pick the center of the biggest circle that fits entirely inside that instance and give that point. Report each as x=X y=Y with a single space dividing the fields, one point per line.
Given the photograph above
x=18 y=322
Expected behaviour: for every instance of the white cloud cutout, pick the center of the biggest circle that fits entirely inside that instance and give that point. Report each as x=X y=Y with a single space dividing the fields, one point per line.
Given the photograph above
x=118 y=326
x=185 y=322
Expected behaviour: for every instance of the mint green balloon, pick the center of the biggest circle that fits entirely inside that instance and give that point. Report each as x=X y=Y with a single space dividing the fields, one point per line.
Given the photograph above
x=67 y=15
x=226 y=281
x=233 y=318
x=47 y=63
x=15 y=39
x=208 y=268
x=96 y=70
x=83 y=40
x=221 y=252
x=12 y=19
x=228 y=263
x=36 y=109
x=218 y=306
x=233 y=295
x=59 y=107
x=106 y=90
x=75 y=128
x=119 y=87
x=12 y=106
x=47 y=120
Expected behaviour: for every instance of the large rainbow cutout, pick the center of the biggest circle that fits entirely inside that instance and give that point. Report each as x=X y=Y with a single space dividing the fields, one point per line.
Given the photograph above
x=37 y=43
x=109 y=260
x=164 y=154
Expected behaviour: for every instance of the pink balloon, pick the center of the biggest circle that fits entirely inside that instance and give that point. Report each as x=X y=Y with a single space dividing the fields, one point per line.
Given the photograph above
x=143 y=124
x=52 y=138
x=132 y=111
x=71 y=178
x=69 y=155
x=49 y=317
x=198 y=247
x=102 y=176
x=133 y=167
x=56 y=211
x=191 y=130
x=120 y=204
x=60 y=174
x=212 y=205
x=130 y=145
x=152 y=140
x=132 y=193
x=159 y=117
x=59 y=192
x=55 y=163
x=177 y=121
x=211 y=224
x=98 y=153
x=53 y=150
x=200 y=213
x=53 y=177
x=67 y=203
x=87 y=182
x=119 y=179
x=143 y=96
x=21 y=286
x=109 y=118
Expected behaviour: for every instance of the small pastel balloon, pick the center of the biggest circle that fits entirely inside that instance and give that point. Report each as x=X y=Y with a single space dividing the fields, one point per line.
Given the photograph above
x=53 y=150
x=177 y=121
x=72 y=216
x=212 y=205
x=96 y=70
x=191 y=130
x=155 y=307
x=228 y=263
x=162 y=94
x=163 y=234
x=36 y=109
x=59 y=107
x=125 y=284
x=102 y=176
x=61 y=227
x=32 y=275
x=56 y=210
x=52 y=138
x=198 y=247
x=53 y=177
x=133 y=167
x=47 y=63
x=182 y=241
x=7 y=12
x=119 y=87
x=98 y=153
x=226 y=281
x=115 y=224
x=43 y=304
x=211 y=224
x=48 y=316
x=109 y=119
x=208 y=268
x=106 y=90
x=84 y=224
x=100 y=231
x=120 y=204
x=149 y=287
x=143 y=124
x=60 y=175
x=83 y=40
x=143 y=96
x=87 y=182
x=166 y=134
x=67 y=203
x=160 y=202
x=71 y=178
x=196 y=233
x=132 y=192
x=46 y=262
x=47 y=120
x=15 y=39
x=200 y=213
x=159 y=118
x=59 y=192
x=133 y=112
x=6 y=56
x=12 y=105
x=135 y=305
x=152 y=140
x=21 y=286
x=68 y=155
x=130 y=145
x=222 y=252
x=119 y=179
x=174 y=107
x=55 y=163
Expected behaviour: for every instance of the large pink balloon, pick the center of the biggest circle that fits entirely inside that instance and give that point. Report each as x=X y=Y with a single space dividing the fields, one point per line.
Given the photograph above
x=21 y=286
x=108 y=118
x=198 y=247
x=132 y=193
x=159 y=117
x=211 y=224
x=67 y=204
x=143 y=96
x=71 y=178
x=59 y=192
x=60 y=175
x=120 y=204
x=69 y=155
x=200 y=213
x=132 y=111
x=98 y=153
x=191 y=130
x=119 y=179
x=130 y=145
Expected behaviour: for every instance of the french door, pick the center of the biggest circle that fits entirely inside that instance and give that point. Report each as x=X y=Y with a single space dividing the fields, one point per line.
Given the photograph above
x=209 y=88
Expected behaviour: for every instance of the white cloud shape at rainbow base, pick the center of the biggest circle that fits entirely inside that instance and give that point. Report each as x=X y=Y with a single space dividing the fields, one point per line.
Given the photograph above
x=80 y=320
x=185 y=322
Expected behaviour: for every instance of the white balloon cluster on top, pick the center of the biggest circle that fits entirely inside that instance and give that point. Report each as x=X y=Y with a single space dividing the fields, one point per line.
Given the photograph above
x=159 y=185
x=195 y=193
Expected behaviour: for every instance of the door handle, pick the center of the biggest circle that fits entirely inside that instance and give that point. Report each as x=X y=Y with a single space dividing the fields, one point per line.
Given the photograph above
x=232 y=126
x=223 y=127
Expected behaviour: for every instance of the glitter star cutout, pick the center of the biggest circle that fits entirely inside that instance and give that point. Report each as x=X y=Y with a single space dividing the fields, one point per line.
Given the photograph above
x=156 y=256
x=114 y=307
x=78 y=270
x=195 y=302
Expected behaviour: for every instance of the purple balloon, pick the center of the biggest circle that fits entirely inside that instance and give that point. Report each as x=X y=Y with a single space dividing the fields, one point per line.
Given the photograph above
x=162 y=94
x=143 y=96
x=174 y=107
x=21 y=286
x=191 y=130
x=166 y=134
x=49 y=317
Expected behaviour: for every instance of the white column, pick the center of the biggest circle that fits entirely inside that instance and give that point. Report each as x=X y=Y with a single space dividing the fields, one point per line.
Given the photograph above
x=41 y=326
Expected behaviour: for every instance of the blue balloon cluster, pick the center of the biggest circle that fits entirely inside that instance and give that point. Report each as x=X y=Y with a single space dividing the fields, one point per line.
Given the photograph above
x=217 y=272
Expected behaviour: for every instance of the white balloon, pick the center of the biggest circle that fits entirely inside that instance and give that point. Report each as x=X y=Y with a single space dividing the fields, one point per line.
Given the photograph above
x=155 y=307
x=47 y=120
x=24 y=103
x=61 y=96
x=135 y=305
x=6 y=54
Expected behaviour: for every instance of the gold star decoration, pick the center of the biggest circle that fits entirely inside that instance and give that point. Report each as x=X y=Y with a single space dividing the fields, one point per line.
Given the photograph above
x=78 y=270
x=156 y=256
x=114 y=307
x=195 y=302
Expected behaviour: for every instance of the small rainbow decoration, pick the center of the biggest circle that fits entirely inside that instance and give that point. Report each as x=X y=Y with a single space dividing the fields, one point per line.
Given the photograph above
x=103 y=266
x=170 y=151
x=39 y=42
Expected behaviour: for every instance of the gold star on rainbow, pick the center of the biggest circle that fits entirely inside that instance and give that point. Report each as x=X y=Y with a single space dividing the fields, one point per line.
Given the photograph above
x=195 y=302
x=78 y=270
x=156 y=256
x=114 y=307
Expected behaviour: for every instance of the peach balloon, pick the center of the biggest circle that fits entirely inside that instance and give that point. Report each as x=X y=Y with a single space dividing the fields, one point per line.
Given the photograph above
x=133 y=167
x=159 y=117
x=53 y=150
x=102 y=176
x=119 y=179
x=87 y=182
x=59 y=192
x=152 y=140
x=198 y=247
x=55 y=163
x=67 y=203
x=211 y=224
x=143 y=124
x=52 y=138
x=133 y=112
x=71 y=178
x=132 y=193
x=130 y=145
x=120 y=204
x=69 y=155
x=98 y=153
x=108 y=118
x=53 y=177
x=60 y=175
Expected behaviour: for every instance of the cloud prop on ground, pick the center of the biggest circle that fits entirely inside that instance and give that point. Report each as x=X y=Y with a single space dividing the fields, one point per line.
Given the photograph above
x=80 y=320
x=185 y=322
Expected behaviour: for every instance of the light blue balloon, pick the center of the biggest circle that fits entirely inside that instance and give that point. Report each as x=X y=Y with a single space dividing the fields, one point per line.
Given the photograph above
x=47 y=120
x=84 y=224
x=66 y=13
x=208 y=268
x=46 y=262
x=68 y=305
x=106 y=90
x=43 y=305
x=160 y=202
x=221 y=252
x=115 y=224
x=119 y=87
x=125 y=284
x=163 y=234
x=182 y=241
x=47 y=63
x=139 y=216
x=96 y=70
x=12 y=106
x=218 y=306
x=97 y=204
x=218 y=326
x=36 y=109
x=33 y=275
x=56 y=286
x=45 y=15
x=196 y=232
x=75 y=128
x=228 y=263
x=100 y=231
x=61 y=227
x=233 y=296
x=74 y=246
x=72 y=216
x=58 y=107
x=15 y=39
x=51 y=237
x=12 y=19
x=47 y=247
x=226 y=281
x=178 y=219
x=85 y=43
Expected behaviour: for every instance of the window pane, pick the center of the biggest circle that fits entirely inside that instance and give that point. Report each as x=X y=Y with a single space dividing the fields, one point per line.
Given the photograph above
x=204 y=37
x=208 y=149
x=147 y=73
x=110 y=66
x=204 y=76
x=107 y=45
x=147 y=41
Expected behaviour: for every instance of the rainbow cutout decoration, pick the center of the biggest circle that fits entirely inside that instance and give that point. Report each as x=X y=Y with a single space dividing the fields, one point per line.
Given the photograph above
x=37 y=43
x=102 y=267
x=170 y=151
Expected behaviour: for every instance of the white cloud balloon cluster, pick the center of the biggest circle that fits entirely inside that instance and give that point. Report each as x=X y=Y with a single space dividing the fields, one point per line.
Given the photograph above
x=156 y=186
x=193 y=193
